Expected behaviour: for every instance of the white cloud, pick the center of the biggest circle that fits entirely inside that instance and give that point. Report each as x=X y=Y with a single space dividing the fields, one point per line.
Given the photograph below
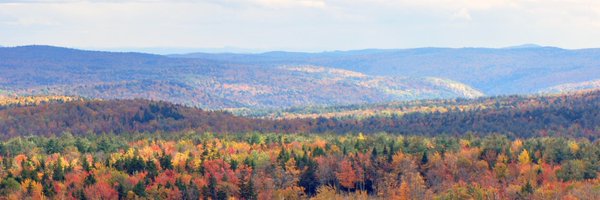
x=462 y=14
x=31 y=21
x=292 y=3
x=300 y=24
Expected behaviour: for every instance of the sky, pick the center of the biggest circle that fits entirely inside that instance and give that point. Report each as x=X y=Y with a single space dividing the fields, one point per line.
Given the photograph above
x=298 y=25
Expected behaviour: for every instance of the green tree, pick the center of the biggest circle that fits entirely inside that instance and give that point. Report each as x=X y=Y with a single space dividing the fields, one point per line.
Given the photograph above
x=58 y=173
x=247 y=190
x=140 y=189
x=309 y=180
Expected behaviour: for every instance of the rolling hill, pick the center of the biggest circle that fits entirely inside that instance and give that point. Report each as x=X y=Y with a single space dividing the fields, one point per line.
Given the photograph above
x=206 y=83
x=275 y=80
x=569 y=87
x=515 y=70
x=576 y=114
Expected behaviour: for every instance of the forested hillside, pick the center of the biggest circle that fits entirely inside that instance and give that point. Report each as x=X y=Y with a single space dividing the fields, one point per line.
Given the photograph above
x=17 y=101
x=361 y=111
x=506 y=147
x=283 y=79
x=574 y=115
x=586 y=85
x=45 y=70
x=117 y=116
x=503 y=71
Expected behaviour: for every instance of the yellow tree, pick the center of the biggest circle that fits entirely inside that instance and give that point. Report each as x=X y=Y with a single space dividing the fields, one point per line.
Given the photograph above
x=574 y=147
x=327 y=193
x=524 y=157
x=528 y=172
x=291 y=169
x=404 y=193
x=516 y=146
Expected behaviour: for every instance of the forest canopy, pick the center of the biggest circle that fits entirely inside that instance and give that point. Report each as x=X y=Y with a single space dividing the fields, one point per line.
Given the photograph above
x=513 y=147
x=298 y=166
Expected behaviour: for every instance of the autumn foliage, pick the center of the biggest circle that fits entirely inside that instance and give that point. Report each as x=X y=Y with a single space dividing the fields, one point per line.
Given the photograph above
x=277 y=166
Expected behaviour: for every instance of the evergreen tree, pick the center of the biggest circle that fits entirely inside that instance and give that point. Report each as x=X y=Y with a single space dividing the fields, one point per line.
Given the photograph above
x=89 y=180
x=48 y=186
x=424 y=158
x=140 y=189
x=309 y=180
x=85 y=164
x=165 y=161
x=58 y=174
x=283 y=156
x=121 y=191
x=211 y=189
x=247 y=190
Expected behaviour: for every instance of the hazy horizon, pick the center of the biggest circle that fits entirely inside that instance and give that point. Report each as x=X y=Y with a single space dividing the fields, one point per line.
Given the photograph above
x=298 y=25
x=238 y=50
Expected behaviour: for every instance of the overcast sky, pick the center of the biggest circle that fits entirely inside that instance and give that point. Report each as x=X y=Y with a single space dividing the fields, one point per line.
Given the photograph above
x=300 y=25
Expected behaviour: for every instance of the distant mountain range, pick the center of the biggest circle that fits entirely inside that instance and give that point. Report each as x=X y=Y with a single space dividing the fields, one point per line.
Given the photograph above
x=206 y=83
x=291 y=79
x=525 y=46
x=513 y=70
x=175 y=50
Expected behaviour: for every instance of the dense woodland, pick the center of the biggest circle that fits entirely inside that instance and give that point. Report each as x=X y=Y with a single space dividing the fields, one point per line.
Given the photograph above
x=274 y=166
x=514 y=147
x=574 y=115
